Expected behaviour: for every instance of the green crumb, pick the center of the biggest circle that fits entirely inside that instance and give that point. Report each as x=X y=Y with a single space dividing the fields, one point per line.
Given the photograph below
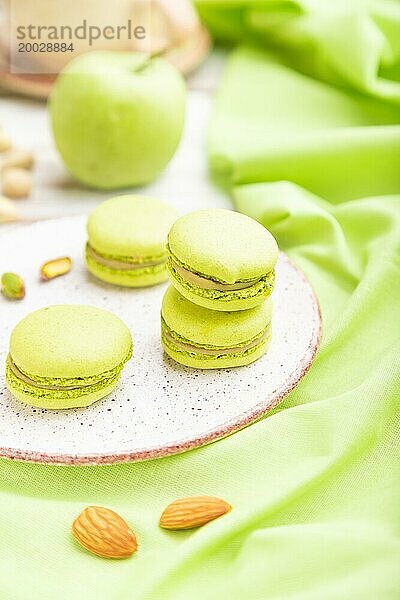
x=263 y=287
x=94 y=383
x=168 y=343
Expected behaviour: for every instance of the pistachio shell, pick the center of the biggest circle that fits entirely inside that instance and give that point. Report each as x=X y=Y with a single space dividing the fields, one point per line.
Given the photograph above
x=17 y=183
x=8 y=210
x=22 y=159
x=5 y=143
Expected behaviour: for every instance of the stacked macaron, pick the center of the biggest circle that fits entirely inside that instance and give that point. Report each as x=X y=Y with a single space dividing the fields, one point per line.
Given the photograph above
x=217 y=312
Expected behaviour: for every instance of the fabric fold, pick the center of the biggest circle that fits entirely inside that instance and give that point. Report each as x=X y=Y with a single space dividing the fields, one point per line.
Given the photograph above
x=282 y=125
x=348 y=44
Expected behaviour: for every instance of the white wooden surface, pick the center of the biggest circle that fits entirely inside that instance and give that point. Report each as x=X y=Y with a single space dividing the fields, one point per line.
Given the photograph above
x=55 y=194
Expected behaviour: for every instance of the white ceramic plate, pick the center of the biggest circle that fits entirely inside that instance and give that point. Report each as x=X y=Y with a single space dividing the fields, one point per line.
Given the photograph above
x=159 y=407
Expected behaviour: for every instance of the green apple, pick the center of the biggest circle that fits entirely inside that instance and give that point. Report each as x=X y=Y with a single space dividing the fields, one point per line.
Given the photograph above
x=117 y=117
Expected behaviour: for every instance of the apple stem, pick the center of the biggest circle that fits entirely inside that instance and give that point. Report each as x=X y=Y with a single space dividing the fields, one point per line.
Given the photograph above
x=148 y=60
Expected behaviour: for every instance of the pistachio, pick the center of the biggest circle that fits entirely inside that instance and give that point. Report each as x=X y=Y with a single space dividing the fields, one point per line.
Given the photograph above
x=55 y=268
x=13 y=286
x=17 y=183
x=8 y=210
x=22 y=159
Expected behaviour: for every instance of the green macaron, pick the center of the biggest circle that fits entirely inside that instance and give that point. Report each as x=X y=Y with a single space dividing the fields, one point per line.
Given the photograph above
x=127 y=236
x=221 y=259
x=207 y=339
x=66 y=356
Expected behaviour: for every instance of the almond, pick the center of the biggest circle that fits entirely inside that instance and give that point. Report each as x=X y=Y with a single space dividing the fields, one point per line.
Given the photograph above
x=103 y=532
x=193 y=511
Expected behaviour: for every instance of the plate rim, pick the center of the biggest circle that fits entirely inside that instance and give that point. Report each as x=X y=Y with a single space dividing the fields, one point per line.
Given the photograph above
x=215 y=434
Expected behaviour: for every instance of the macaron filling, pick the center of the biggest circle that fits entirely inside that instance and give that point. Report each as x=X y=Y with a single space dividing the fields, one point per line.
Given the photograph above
x=121 y=263
x=178 y=343
x=57 y=387
x=210 y=284
x=211 y=288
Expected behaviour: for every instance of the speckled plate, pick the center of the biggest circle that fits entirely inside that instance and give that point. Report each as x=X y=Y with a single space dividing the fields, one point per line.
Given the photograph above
x=158 y=408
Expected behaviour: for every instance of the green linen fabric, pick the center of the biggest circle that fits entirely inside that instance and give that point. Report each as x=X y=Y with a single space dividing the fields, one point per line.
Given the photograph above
x=350 y=43
x=315 y=485
x=273 y=124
